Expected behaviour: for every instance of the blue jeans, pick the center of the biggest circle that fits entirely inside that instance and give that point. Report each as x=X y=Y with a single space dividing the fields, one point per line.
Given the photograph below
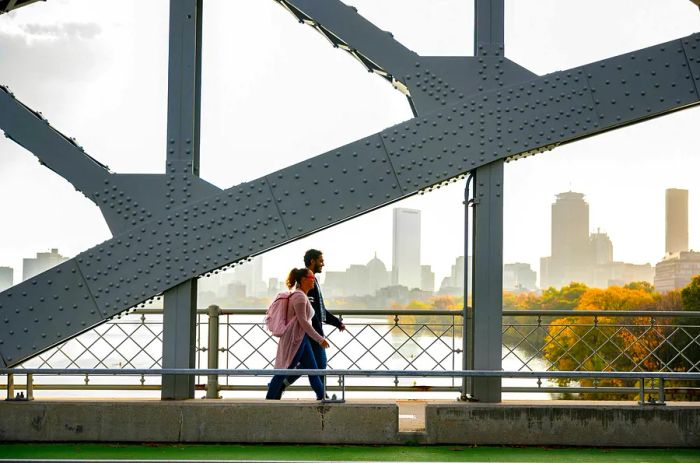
x=304 y=358
x=321 y=362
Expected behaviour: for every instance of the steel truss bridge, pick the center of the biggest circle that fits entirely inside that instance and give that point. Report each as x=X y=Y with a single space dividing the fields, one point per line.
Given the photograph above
x=471 y=114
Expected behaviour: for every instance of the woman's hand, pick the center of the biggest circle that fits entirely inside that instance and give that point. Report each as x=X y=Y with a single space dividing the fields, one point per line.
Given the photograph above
x=325 y=344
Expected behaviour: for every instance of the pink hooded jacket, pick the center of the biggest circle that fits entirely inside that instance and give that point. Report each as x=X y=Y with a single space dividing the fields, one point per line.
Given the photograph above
x=299 y=308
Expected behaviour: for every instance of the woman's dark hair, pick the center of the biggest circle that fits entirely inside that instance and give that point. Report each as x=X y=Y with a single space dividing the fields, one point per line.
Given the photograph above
x=311 y=254
x=295 y=276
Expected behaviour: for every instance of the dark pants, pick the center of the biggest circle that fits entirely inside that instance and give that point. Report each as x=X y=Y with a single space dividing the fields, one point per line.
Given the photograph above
x=321 y=361
x=304 y=358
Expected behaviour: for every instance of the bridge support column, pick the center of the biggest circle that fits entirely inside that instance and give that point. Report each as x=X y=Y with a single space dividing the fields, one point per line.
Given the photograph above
x=184 y=97
x=487 y=297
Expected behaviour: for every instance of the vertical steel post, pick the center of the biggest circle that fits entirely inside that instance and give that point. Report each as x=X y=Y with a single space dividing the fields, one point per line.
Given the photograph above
x=467 y=312
x=10 y=386
x=213 y=358
x=30 y=387
x=184 y=95
x=487 y=293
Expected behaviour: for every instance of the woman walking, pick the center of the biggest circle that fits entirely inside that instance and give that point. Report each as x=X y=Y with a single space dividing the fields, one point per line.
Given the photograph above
x=294 y=348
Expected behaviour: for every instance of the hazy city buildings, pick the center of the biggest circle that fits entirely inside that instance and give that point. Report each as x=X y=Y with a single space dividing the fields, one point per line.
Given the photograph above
x=357 y=280
x=578 y=256
x=454 y=284
x=676 y=270
x=6 y=278
x=519 y=277
x=405 y=264
x=41 y=263
x=676 y=220
x=679 y=264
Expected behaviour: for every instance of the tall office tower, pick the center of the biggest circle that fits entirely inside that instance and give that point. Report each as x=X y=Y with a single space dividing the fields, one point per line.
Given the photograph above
x=427 y=278
x=406 y=269
x=6 y=277
x=42 y=262
x=601 y=248
x=570 y=249
x=250 y=274
x=676 y=220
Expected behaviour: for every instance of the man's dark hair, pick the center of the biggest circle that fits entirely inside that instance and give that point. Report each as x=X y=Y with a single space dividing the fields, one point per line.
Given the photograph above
x=311 y=254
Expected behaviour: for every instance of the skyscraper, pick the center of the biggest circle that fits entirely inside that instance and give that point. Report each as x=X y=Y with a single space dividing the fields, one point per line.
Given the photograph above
x=601 y=248
x=406 y=269
x=6 y=278
x=42 y=262
x=676 y=220
x=570 y=259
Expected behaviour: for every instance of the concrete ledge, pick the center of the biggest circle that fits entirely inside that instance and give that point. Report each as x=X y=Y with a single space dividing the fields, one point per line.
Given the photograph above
x=198 y=421
x=597 y=424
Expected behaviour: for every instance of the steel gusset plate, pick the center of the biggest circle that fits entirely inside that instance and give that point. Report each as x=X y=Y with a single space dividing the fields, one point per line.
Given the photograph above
x=44 y=311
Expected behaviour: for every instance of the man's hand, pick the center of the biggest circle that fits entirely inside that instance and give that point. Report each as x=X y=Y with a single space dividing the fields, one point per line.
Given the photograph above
x=325 y=344
x=341 y=327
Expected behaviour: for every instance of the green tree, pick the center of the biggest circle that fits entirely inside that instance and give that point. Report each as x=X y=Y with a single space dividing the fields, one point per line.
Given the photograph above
x=690 y=295
x=641 y=285
x=565 y=298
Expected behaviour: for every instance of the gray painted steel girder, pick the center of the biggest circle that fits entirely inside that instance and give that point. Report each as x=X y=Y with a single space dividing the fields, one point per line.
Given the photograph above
x=467 y=132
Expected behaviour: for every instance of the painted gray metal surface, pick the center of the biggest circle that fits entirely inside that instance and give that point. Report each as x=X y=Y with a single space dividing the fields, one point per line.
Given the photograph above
x=462 y=124
x=487 y=248
x=183 y=141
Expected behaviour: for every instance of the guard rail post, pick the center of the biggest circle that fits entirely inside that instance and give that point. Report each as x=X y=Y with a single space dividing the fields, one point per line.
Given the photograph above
x=213 y=359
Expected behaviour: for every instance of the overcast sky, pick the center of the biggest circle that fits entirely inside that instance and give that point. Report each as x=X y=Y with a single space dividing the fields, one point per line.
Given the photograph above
x=275 y=92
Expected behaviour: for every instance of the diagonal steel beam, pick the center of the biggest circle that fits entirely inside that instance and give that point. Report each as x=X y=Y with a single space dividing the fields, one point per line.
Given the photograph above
x=249 y=219
x=9 y=5
x=429 y=82
x=59 y=153
x=125 y=200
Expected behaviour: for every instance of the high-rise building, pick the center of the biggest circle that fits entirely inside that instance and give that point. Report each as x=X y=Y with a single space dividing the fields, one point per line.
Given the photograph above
x=676 y=270
x=601 y=248
x=406 y=269
x=570 y=259
x=454 y=284
x=41 y=263
x=6 y=278
x=250 y=275
x=676 y=220
x=519 y=277
x=427 y=278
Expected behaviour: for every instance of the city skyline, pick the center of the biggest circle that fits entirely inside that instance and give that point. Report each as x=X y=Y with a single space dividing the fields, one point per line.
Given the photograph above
x=94 y=52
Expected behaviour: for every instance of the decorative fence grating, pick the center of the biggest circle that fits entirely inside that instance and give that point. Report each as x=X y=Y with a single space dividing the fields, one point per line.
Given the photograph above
x=397 y=340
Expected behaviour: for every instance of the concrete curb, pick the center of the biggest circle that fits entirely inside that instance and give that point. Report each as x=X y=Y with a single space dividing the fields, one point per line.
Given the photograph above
x=598 y=424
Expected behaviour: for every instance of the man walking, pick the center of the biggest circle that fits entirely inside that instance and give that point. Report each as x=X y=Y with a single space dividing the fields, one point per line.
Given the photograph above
x=313 y=260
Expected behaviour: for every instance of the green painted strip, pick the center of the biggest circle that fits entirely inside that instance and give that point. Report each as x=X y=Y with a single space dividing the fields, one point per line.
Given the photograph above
x=344 y=453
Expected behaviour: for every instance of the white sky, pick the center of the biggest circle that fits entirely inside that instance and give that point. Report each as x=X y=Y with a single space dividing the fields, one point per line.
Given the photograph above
x=275 y=92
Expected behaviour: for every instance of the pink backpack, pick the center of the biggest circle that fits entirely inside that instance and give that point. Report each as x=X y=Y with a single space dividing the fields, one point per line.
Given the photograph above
x=276 y=317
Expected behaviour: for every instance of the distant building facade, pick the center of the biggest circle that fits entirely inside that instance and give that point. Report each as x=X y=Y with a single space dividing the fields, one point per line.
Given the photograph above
x=676 y=220
x=676 y=270
x=6 y=278
x=41 y=263
x=427 y=278
x=357 y=280
x=405 y=261
x=454 y=284
x=578 y=256
x=519 y=277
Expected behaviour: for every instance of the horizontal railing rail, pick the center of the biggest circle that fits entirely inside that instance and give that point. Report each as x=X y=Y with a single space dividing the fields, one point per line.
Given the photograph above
x=398 y=343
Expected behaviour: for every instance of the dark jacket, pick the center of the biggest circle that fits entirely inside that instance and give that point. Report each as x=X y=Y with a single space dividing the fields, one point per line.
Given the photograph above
x=316 y=298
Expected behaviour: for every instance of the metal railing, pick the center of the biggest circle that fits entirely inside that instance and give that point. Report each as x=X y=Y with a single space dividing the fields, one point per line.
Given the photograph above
x=393 y=340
